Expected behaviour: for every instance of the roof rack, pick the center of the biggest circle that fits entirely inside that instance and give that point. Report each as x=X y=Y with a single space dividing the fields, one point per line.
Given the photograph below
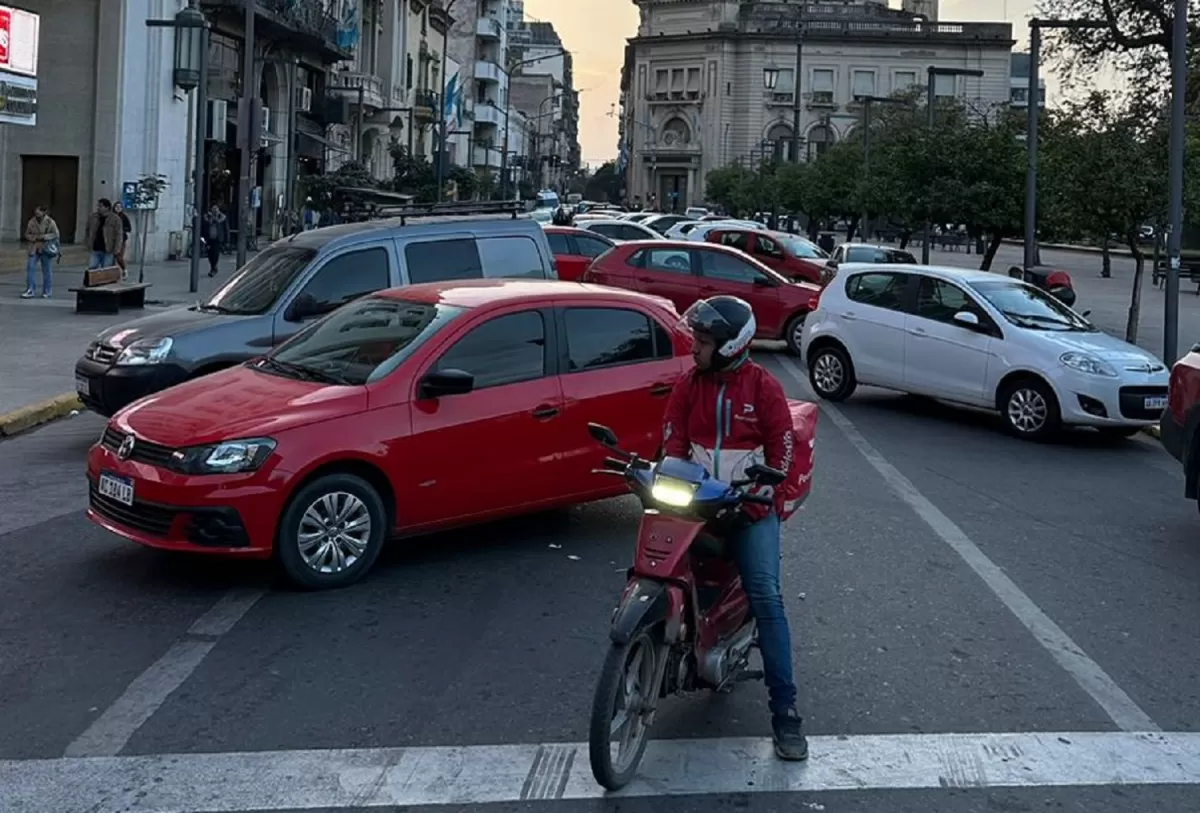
x=453 y=208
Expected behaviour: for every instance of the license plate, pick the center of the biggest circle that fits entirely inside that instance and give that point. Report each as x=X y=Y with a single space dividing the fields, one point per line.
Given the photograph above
x=82 y=385
x=116 y=488
x=1157 y=402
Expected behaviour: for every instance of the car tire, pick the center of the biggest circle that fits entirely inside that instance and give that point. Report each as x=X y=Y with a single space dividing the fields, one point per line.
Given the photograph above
x=1029 y=409
x=793 y=334
x=326 y=516
x=830 y=373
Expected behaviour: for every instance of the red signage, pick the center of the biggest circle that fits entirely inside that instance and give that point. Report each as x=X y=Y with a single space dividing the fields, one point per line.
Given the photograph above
x=5 y=36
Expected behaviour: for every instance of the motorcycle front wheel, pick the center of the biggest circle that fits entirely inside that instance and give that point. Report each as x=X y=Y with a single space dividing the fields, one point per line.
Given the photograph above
x=625 y=695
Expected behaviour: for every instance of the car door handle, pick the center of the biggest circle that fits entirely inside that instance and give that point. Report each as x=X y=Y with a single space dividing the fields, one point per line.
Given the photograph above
x=659 y=390
x=848 y=315
x=545 y=411
x=917 y=331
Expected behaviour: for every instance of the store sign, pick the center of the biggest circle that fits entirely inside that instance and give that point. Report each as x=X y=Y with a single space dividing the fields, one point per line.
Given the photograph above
x=19 y=33
x=18 y=100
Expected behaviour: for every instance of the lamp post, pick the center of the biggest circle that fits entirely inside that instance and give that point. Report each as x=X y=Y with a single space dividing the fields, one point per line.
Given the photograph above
x=771 y=78
x=931 y=103
x=1031 y=125
x=1179 y=70
x=442 y=151
x=191 y=74
x=866 y=102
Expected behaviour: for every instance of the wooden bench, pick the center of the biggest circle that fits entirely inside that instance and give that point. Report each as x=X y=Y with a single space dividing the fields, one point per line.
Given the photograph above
x=103 y=291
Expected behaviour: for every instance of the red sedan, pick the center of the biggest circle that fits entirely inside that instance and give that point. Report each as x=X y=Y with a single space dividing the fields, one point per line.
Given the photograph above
x=684 y=271
x=410 y=410
x=574 y=249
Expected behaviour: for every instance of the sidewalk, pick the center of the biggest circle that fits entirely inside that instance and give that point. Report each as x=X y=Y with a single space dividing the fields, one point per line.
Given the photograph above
x=42 y=339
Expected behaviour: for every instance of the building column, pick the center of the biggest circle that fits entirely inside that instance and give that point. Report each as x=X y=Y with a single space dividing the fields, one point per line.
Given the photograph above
x=106 y=122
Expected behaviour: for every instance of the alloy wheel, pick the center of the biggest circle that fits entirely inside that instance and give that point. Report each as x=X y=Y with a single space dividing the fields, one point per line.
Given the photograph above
x=828 y=373
x=335 y=531
x=628 y=727
x=1027 y=410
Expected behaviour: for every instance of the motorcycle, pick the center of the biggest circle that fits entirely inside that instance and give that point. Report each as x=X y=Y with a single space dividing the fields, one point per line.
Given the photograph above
x=683 y=622
x=1053 y=281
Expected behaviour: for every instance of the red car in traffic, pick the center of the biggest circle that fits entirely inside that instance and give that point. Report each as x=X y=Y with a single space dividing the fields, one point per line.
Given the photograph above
x=790 y=255
x=1179 y=427
x=410 y=410
x=685 y=271
x=574 y=249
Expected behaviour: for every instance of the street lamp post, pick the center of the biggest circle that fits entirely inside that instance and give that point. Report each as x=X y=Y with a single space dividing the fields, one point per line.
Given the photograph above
x=866 y=102
x=442 y=151
x=1031 y=125
x=1179 y=69
x=930 y=101
x=191 y=74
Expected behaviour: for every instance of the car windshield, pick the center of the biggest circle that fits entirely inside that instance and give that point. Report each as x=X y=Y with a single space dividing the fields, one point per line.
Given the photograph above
x=1028 y=307
x=803 y=249
x=260 y=282
x=359 y=343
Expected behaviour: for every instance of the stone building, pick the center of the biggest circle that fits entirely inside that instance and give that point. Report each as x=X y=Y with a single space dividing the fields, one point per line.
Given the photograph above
x=694 y=96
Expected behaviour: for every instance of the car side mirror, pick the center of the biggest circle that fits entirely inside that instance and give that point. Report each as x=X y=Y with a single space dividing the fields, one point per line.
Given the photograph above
x=303 y=307
x=967 y=319
x=765 y=475
x=764 y=282
x=603 y=435
x=440 y=383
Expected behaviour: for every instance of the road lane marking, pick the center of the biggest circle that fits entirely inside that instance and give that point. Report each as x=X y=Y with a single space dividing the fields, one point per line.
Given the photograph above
x=110 y=732
x=346 y=779
x=1118 y=705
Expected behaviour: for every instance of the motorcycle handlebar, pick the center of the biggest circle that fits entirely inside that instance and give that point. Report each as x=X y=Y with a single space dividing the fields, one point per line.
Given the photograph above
x=760 y=499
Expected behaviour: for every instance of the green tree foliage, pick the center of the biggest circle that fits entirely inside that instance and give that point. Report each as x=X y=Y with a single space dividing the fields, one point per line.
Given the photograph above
x=733 y=189
x=605 y=184
x=332 y=190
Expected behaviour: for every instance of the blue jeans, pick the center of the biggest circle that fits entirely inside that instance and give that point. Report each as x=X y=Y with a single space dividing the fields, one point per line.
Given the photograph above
x=99 y=260
x=47 y=263
x=756 y=552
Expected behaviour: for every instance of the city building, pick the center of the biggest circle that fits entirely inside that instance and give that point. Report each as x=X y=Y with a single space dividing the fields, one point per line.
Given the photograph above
x=694 y=96
x=479 y=43
x=549 y=66
x=1019 y=84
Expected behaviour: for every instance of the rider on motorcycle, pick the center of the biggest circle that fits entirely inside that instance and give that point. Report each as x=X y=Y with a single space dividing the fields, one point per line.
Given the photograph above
x=728 y=414
x=562 y=217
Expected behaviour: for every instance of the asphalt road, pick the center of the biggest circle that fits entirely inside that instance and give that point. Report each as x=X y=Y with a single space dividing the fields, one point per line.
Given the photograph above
x=943 y=580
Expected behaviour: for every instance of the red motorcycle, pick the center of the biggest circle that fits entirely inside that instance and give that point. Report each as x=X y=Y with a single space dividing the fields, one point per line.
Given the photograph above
x=683 y=622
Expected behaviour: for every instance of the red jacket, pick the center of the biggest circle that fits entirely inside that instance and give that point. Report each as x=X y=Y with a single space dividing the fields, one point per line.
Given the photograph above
x=729 y=420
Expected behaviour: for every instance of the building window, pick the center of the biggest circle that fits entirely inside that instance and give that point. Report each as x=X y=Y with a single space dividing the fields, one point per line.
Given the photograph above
x=864 y=83
x=904 y=81
x=780 y=137
x=786 y=83
x=408 y=73
x=820 y=138
x=822 y=86
x=662 y=83
x=1020 y=95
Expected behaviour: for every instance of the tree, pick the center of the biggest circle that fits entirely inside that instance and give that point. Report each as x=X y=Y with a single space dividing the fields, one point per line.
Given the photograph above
x=145 y=202
x=604 y=185
x=333 y=190
x=732 y=188
x=413 y=174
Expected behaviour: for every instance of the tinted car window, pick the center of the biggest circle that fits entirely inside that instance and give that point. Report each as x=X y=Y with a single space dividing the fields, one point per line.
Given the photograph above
x=436 y=260
x=359 y=343
x=865 y=254
x=719 y=265
x=804 y=249
x=559 y=243
x=767 y=247
x=591 y=247
x=880 y=290
x=603 y=337
x=345 y=278
x=900 y=257
x=632 y=233
x=610 y=230
x=940 y=300
x=260 y=282
x=668 y=259
x=735 y=239
x=503 y=350
x=516 y=256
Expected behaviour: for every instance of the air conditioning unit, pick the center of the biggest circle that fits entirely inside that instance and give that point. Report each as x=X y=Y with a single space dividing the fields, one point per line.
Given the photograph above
x=218 y=115
x=264 y=127
x=303 y=100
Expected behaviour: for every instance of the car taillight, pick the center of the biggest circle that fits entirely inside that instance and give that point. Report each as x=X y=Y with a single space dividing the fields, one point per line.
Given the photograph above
x=815 y=302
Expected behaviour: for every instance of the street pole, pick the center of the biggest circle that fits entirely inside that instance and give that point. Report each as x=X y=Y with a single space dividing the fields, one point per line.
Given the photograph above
x=1031 y=144
x=929 y=91
x=796 y=84
x=246 y=133
x=198 y=168
x=290 y=170
x=1179 y=42
x=358 y=124
x=440 y=154
x=862 y=229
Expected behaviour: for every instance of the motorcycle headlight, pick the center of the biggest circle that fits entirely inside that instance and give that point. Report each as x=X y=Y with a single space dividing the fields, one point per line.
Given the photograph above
x=227 y=457
x=145 y=351
x=675 y=493
x=1087 y=364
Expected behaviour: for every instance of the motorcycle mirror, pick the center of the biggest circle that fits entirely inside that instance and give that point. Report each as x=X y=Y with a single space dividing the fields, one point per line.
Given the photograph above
x=603 y=435
x=765 y=475
x=1086 y=313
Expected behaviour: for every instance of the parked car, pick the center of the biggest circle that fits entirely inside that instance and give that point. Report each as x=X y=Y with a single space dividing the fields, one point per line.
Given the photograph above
x=794 y=257
x=574 y=249
x=620 y=231
x=293 y=282
x=870 y=254
x=662 y=223
x=1178 y=424
x=983 y=340
x=410 y=410
x=637 y=217
x=685 y=271
x=696 y=229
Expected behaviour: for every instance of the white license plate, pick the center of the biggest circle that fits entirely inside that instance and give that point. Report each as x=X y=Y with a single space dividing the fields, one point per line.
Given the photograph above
x=82 y=385
x=1159 y=402
x=116 y=488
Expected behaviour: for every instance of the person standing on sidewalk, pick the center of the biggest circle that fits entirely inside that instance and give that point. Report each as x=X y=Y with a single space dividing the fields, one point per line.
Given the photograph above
x=41 y=232
x=126 y=235
x=216 y=233
x=103 y=235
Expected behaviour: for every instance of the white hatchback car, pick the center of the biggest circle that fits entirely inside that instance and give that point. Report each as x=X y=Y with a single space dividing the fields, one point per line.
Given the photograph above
x=980 y=339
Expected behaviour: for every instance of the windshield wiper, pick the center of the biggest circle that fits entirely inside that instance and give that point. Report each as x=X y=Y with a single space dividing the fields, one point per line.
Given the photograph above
x=301 y=372
x=1040 y=319
x=215 y=308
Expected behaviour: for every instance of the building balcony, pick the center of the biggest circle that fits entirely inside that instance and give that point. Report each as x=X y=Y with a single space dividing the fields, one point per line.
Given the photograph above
x=306 y=25
x=487 y=113
x=489 y=28
x=485 y=157
x=488 y=71
x=356 y=86
x=425 y=105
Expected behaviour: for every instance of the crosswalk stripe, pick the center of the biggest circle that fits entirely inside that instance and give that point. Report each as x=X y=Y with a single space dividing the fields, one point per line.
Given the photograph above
x=354 y=779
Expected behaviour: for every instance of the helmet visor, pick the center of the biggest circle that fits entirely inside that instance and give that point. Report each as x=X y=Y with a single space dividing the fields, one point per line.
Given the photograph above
x=703 y=318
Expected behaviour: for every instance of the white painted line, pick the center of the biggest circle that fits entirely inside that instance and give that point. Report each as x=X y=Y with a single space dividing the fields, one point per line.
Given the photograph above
x=1118 y=705
x=145 y=695
x=459 y=776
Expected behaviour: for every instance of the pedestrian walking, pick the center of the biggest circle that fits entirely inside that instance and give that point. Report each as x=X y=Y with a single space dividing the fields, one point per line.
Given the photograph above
x=103 y=235
x=126 y=235
x=216 y=233
x=41 y=232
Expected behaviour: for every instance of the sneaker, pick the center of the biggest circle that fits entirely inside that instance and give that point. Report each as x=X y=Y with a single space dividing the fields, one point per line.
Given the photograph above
x=46 y=295
x=29 y=294
x=790 y=742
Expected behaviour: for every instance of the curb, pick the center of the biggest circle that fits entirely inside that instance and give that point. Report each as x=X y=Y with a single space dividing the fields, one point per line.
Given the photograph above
x=37 y=414
x=1114 y=251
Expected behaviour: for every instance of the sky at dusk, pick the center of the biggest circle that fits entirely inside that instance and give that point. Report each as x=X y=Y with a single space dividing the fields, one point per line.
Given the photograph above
x=595 y=32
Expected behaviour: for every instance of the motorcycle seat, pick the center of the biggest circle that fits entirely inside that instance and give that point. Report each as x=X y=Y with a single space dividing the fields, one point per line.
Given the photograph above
x=710 y=545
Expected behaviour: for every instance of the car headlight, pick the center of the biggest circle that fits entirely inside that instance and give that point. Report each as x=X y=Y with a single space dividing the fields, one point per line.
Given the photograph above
x=145 y=351
x=675 y=493
x=226 y=457
x=1087 y=364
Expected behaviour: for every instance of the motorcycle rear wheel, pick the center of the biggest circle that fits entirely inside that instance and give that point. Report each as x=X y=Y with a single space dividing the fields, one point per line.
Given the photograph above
x=619 y=709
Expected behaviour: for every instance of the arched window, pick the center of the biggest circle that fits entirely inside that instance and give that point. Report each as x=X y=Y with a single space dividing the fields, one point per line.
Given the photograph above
x=676 y=133
x=780 y=137
x=820 y=138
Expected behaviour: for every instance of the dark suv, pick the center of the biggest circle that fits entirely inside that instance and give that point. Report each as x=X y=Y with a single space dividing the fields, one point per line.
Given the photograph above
x=299 y=279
